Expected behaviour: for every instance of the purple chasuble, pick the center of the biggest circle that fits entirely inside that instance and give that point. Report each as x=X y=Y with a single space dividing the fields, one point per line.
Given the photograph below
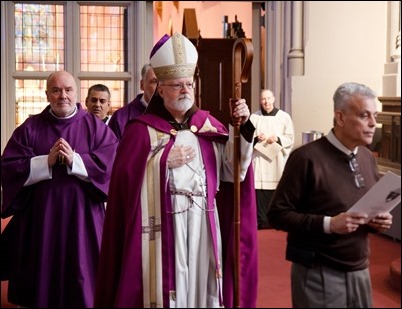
x=122 y=116
x=53 y=239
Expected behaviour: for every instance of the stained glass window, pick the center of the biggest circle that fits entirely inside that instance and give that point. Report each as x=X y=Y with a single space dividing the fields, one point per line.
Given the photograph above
x=102 y=38
x=39 y=37
x=40 y=46
x=30 y=98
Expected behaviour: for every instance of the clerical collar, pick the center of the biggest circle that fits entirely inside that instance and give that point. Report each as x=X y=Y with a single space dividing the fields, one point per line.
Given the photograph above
x=271 y=113
x=67 y=117
x=142 y=99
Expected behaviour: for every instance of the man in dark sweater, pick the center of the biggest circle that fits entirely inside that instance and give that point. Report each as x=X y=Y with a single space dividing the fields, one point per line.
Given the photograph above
x=327 y=246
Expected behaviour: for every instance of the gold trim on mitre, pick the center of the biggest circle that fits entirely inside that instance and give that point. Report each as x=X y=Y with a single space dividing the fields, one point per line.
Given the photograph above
x=174 y=71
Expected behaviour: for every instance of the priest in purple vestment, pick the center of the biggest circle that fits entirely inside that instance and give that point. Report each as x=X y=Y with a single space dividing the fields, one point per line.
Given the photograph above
x=138 y=106
x=162 y=242
x=55 y=173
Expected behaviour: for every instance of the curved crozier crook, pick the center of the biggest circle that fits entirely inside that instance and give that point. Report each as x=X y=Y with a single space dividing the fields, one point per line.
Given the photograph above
x=241 y=69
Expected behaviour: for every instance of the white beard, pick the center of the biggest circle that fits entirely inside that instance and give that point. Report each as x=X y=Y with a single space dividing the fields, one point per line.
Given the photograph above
x=183 y=104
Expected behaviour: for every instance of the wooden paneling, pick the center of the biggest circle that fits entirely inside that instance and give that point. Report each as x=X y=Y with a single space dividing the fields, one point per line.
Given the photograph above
x=390 y=150
x=390 y=142
x=214 y=77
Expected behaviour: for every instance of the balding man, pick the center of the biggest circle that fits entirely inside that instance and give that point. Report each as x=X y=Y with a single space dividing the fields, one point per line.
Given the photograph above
x=55 y=173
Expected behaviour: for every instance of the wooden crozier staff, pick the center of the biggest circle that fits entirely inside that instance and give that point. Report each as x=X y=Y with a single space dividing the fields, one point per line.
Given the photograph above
x=241 y=69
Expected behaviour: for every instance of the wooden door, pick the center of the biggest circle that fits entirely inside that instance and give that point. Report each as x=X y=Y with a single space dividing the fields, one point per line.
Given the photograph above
x=214 y=77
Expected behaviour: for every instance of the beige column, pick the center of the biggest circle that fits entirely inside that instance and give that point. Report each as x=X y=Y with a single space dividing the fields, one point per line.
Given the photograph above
x=274 y=37
x=296 y=53
x=392 y=69
x=284 y=52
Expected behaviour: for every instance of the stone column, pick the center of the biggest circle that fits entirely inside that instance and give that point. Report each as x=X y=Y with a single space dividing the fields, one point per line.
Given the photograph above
x=392 y=69
x=296 y=53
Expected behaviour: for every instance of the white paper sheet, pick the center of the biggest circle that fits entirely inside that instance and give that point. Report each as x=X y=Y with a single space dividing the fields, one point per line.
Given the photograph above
x=270 y=151
x=382 y=197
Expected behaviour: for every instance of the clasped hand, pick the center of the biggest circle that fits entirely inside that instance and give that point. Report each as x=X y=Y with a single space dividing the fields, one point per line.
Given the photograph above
x=61 y=152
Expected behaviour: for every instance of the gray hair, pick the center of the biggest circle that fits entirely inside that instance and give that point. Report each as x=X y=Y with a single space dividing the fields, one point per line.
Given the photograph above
x=346 y=91
x=145 y=69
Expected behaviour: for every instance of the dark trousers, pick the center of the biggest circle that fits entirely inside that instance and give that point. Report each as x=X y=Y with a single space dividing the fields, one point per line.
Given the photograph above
x=264 y=198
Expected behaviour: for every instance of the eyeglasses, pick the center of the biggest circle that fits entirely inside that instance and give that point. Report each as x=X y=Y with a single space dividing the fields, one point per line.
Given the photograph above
x=354 y=167
x=180 y=86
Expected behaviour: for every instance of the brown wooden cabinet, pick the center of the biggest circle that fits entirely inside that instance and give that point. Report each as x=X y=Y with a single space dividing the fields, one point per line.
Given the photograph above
x=214 y=77
x=390 y=150
x=390 y=142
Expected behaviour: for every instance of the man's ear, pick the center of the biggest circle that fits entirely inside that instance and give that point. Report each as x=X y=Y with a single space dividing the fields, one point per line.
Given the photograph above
x=339 y=118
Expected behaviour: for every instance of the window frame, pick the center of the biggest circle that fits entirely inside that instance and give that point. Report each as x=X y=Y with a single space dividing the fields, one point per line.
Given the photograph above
x=140 y=40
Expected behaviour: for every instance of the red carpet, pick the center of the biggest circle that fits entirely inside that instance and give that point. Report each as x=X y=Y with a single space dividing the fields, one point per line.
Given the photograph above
x=395 y=274
x=274 y=284
x=274 y=281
